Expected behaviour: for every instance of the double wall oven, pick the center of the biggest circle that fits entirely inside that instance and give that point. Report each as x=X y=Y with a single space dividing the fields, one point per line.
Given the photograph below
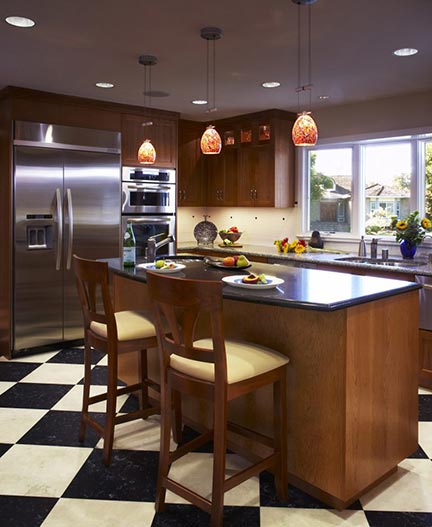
x=148 y=202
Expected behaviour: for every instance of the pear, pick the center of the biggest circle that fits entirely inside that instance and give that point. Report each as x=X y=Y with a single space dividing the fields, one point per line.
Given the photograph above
x=242 y=261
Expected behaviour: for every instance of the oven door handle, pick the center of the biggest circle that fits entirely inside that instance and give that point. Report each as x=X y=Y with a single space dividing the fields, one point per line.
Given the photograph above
x=148 y=220
x=153 y=188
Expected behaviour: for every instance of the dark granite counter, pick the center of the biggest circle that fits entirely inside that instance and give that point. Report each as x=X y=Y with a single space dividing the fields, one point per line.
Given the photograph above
x=302 y=288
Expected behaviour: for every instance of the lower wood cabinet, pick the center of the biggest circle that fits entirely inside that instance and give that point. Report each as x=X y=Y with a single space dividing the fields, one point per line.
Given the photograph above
x=425 y=358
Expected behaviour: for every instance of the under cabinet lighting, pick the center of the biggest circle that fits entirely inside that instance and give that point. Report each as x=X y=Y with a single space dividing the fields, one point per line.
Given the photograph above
x=405 y=52
x=105 y=85
x=20 y=21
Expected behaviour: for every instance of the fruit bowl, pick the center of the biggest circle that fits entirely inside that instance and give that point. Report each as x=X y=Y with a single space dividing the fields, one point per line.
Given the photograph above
x=231 y=236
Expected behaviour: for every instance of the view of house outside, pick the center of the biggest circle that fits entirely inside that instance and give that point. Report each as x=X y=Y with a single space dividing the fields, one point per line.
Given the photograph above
x=386 y=172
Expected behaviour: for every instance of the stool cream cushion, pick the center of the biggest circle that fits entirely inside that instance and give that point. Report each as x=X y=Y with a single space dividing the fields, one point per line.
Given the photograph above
x=244 y=360
x=131 y=325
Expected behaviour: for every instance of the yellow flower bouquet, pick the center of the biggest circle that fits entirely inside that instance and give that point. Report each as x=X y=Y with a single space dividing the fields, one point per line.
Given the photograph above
x=296 y=246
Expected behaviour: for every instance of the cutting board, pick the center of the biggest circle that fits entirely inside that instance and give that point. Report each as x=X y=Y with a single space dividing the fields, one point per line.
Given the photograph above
x=234 y=245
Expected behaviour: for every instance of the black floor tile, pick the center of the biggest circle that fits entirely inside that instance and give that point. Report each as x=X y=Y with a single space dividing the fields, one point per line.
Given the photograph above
x=425 y=407
x=419 y=454
x=99 y=377
x=15 y=371
x=4 y=447
x=399 y=519
x=130 y=477
x=188 y=434
x=61 y=429
x=75 y=356
x=33 y=395
x=190 y=516
x=23 y=511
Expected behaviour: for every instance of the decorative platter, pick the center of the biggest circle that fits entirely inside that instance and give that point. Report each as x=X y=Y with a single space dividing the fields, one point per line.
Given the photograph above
x=220 y=265
x=236 y=281
x=164 y=270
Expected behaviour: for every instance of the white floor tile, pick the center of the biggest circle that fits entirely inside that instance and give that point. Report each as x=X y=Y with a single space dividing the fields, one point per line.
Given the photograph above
x=99 y=513
x=103 y=361
x=281 y=517
x=56 y=373
x=15 y=422
x=5 y=385
x=72 y=401
x=409 y=489
x=39 y=470
x=143 y=434
x=425 y=437
x=37 y=357
x=194 y=471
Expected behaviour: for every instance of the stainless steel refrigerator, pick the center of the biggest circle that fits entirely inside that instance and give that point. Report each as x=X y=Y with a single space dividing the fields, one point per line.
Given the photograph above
x=66 y=201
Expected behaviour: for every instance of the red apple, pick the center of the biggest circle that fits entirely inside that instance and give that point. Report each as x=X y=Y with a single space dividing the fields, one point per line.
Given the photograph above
x=236 y=257
x=228 y=261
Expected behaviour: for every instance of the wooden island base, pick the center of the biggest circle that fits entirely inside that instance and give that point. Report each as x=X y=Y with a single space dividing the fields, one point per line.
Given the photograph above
x=352 y=387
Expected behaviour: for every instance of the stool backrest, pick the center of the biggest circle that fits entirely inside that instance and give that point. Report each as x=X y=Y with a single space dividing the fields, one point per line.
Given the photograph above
x=183 y=308
x=92 y=280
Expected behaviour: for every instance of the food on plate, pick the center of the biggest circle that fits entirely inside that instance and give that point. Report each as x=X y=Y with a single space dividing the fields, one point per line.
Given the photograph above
x=237 y=261
x=254 y=279
x=242 y=261
x=229 y=261
x=162 y=264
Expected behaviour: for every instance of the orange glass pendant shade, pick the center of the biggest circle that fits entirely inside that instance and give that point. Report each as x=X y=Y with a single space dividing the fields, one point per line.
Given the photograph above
x=211 y=142
x=305 y=131
x=147 y=153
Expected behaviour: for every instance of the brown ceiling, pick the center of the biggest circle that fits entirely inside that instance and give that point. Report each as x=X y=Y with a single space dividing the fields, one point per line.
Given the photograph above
x=76 y=43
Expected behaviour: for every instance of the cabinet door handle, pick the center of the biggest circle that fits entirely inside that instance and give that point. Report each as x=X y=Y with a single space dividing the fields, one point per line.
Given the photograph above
x=255 y=194
x=222 y=195
x=251 y=193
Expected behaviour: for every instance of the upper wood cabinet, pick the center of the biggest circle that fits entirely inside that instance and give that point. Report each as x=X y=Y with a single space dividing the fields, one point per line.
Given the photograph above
x=222 y=171
x=163 y=135
x=190 y=182
x=254 y=169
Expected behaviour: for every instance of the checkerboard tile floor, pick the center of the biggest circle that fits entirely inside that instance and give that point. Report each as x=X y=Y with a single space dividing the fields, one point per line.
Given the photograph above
x=49 y=479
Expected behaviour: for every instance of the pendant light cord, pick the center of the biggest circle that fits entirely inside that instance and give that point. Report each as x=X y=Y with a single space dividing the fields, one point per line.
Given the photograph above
x=298 y=59
x=214 y=74
x=310 y=55
x=208 y=75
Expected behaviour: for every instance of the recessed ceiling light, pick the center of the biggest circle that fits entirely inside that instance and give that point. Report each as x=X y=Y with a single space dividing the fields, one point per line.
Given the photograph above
x=323 y=97
x=270 y=84
x=20 y=21
x=405 y=52
x=199 y=101
x=105 y=85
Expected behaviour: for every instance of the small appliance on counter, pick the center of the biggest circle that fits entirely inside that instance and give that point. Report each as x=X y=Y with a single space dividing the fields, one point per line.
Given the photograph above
x=205 y=233
x=316 y=242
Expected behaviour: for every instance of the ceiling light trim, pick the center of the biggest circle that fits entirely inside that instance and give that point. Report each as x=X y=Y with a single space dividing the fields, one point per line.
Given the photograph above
x=20 y=21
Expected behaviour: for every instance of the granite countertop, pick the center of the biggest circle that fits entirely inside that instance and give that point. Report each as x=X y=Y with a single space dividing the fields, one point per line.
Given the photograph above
x=417 y=266
x=302 y=288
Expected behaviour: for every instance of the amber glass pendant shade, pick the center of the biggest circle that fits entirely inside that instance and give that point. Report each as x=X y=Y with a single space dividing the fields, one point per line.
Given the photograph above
x=305 y=131
x=147 y=153
x=211 y=142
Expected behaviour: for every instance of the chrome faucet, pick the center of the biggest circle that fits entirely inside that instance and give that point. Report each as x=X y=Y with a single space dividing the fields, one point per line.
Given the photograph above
x=153 y=245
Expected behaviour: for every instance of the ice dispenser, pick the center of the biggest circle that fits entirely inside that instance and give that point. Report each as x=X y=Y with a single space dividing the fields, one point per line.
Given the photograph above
x=39 y=231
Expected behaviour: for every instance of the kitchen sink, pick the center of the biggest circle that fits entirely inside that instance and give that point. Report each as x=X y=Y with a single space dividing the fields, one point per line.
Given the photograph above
x=391 y=262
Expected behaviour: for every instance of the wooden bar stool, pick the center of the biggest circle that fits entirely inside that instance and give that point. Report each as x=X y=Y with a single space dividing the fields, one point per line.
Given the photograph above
x=112 y=333
x=219 y=371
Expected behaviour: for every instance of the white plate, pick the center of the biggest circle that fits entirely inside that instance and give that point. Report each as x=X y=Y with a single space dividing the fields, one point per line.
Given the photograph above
x=167 y=270
x=236 y=281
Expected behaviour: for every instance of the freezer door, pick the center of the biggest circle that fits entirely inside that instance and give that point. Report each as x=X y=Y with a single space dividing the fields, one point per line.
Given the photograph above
x=92 y=221
x=38 y=292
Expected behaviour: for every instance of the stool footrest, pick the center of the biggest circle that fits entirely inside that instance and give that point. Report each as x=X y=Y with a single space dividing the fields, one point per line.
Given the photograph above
x=187 y=494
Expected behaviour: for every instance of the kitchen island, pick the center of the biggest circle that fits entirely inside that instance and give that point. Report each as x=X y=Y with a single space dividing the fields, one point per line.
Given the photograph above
x=352 y=379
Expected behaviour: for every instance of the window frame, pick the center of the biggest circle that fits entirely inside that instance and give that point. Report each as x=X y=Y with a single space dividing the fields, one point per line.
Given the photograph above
x=417 y=139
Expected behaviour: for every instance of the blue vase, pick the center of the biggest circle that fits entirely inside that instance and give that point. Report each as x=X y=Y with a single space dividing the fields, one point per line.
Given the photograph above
x=407 y=249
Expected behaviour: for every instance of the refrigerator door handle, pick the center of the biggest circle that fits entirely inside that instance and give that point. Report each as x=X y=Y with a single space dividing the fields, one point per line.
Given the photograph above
x=71 y=228
x=59 y=229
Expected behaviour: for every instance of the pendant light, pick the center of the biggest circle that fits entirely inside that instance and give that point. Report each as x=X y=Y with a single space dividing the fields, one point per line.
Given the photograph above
x=147 y=152
x=211 y=142
x=304 y=131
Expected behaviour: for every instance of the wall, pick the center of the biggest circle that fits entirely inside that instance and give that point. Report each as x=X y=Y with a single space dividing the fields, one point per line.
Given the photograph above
x=262 y=226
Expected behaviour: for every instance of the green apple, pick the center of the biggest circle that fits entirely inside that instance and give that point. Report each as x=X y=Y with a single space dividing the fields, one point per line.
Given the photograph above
x=159 y=264
x=242 y=261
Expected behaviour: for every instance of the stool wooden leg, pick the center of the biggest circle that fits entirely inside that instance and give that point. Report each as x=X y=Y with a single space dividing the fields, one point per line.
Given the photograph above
x=143 y=368
x=219 y=459
x=110 y=411
x=280 y=436
x=86 y=391
x=164 y=454
x=177 y=416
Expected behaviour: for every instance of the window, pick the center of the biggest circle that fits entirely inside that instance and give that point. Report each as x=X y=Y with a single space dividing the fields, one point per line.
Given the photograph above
x=360 y=187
